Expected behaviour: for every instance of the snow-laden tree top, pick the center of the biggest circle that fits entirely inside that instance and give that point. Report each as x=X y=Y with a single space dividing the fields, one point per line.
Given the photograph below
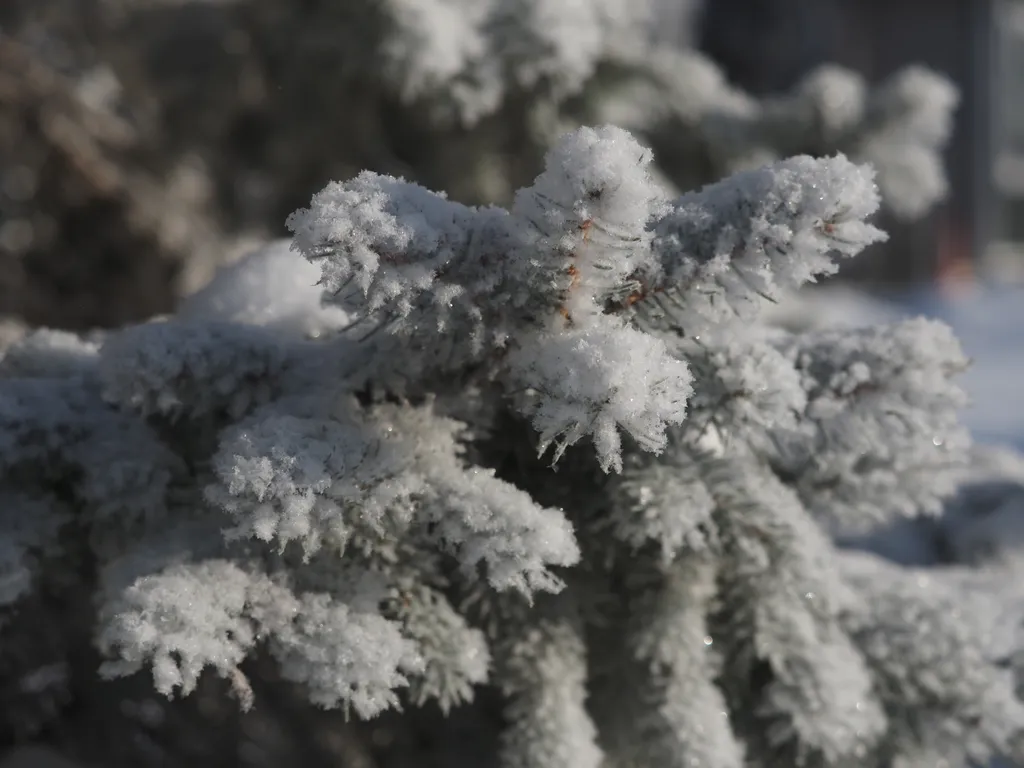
x=365 y=488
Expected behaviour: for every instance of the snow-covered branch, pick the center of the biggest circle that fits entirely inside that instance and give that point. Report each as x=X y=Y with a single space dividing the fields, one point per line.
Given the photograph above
x=332 y=458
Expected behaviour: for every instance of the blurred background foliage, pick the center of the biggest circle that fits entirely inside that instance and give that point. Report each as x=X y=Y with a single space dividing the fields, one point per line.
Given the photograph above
x=143 y=142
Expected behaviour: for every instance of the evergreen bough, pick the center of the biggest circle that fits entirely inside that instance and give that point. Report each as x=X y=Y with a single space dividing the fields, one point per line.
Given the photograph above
x=549 y=450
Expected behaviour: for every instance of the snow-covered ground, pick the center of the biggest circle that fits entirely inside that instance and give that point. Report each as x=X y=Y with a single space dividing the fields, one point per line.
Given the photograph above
x=989 y=322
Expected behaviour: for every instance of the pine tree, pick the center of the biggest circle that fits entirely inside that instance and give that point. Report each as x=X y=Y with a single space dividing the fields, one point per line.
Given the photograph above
x=548 y=454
